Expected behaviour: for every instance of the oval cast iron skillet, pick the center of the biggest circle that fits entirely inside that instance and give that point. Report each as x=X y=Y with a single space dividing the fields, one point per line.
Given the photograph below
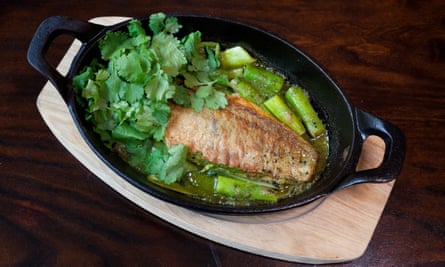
x=347 y=125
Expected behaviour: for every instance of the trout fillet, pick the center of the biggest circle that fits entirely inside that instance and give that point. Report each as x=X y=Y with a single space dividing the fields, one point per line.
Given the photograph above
x=243 y=135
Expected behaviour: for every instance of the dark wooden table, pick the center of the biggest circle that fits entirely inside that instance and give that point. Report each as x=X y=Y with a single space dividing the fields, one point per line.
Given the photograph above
x=388 y=56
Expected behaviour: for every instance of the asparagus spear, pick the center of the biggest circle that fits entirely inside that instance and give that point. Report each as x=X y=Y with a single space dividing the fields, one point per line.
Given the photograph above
x=233 y=187
x=277 y=107
x=268 y=82
x=246 y=90
x=235 y=57
x=298 y=100
x=256 y=84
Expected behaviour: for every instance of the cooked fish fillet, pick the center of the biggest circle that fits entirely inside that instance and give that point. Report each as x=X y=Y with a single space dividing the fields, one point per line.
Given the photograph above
x=243 y=135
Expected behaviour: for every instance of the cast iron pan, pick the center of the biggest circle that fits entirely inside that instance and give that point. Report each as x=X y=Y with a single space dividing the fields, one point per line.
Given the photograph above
x=347 y=125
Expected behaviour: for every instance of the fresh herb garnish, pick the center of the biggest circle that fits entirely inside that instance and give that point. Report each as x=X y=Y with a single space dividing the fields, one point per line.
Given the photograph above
x=127 y=92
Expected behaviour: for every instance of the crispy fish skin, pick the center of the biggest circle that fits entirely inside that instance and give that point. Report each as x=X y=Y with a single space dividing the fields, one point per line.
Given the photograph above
x=243 y=135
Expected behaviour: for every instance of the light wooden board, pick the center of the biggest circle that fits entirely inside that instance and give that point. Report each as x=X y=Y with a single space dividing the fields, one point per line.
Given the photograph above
x=338 y=229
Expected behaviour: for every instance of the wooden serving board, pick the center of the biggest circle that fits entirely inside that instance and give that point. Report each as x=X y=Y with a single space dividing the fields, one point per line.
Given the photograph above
x=337 y=229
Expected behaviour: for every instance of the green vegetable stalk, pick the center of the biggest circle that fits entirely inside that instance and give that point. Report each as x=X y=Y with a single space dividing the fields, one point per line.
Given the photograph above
x=277 y=107
x=233 y=187
x=298 y=100
x=266 y=81
x=246 y=90
x=235 y=57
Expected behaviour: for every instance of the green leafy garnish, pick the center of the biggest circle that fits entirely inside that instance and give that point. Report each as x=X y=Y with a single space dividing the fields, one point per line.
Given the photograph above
x=126 y=92
x=168 y=164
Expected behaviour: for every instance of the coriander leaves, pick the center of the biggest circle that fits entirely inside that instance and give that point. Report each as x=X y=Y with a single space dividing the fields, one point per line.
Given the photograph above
x=126 y=93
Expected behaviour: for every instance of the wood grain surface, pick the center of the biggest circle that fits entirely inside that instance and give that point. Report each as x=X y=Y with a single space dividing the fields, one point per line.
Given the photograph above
x=388 y=56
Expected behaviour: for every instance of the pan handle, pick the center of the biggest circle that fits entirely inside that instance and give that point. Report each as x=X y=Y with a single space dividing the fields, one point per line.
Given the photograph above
x=393 y=157
x=47 y=31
